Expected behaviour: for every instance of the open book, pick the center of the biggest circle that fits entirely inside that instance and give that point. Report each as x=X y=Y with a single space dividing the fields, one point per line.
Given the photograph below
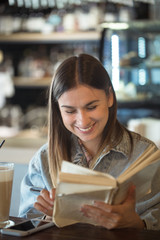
x=77 y=186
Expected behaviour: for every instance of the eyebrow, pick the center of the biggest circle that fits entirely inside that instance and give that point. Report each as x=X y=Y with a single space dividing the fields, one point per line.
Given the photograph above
x=90 y=103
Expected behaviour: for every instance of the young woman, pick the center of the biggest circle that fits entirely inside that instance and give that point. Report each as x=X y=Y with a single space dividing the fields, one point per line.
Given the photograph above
x=83 y=128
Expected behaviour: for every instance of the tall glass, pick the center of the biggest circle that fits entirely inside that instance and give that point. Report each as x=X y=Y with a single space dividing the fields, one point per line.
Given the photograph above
x=6 y=180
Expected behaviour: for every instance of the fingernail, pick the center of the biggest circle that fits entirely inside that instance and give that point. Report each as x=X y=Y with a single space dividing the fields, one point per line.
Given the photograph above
x=95 y=203
x=50 y=194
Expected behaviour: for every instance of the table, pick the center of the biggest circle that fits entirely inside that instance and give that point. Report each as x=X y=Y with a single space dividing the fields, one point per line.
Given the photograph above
x=86 y=232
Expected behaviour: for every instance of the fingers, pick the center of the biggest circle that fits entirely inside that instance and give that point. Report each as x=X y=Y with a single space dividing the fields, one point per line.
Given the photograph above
x=46 y=195
x=114 y=216
x=105 y=207
x=103 y=218
x=45 y=203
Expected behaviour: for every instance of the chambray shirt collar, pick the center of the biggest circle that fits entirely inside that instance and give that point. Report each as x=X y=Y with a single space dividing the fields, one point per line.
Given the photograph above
x=124 y=146
x=78 y=156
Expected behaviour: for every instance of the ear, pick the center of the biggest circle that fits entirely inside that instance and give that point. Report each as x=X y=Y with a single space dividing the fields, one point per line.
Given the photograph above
x=110 y=98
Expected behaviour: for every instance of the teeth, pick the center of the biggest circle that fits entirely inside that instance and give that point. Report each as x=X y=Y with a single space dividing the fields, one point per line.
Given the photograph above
x=85 y=129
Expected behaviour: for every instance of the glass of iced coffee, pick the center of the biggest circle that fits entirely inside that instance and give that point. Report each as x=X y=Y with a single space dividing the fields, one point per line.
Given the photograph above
x=6 y=180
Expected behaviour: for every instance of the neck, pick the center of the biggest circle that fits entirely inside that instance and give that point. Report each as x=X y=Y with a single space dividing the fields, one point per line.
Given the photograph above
x=91 y=147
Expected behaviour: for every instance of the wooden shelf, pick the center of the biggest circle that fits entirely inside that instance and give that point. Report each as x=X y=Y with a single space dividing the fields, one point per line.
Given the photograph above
x=32 y=82
x=52 y=37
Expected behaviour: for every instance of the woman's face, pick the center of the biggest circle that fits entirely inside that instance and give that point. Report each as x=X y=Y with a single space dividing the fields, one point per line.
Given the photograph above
x=85 y=112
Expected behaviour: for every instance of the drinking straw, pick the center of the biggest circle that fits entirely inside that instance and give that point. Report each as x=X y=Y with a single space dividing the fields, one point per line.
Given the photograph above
x=2 y=143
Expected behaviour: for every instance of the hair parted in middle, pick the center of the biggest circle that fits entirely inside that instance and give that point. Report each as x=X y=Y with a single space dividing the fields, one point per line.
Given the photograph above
x=77 y=70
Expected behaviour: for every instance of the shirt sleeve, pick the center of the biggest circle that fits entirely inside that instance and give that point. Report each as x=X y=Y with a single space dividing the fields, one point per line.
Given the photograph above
x=149 y=207
x=37 y=176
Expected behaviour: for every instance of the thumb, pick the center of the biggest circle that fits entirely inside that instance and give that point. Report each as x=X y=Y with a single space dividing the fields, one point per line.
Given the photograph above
x=131 y=196
x=52 y=193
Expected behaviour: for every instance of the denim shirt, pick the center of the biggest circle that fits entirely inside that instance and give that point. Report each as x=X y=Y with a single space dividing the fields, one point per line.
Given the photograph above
x=113 y=162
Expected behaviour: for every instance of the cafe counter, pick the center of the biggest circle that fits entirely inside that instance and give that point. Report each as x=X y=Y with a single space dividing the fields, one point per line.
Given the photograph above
x=21 y=148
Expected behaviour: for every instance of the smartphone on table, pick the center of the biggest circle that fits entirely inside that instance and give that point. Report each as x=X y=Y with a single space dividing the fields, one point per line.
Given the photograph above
x=27 y=228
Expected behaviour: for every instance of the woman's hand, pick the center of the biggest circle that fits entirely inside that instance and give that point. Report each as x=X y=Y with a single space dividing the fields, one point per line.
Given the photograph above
x=115 y=216
x=45 y=202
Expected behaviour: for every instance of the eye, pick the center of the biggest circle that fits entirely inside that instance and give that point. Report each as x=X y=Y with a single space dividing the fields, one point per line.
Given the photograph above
x=90 y=108
x=70 y=111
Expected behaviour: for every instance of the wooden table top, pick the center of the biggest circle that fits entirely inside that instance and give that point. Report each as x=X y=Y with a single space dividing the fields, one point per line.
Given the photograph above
x=86 y=232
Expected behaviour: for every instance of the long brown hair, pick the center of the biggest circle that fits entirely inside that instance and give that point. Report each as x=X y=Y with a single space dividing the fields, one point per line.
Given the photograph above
x=82 y=69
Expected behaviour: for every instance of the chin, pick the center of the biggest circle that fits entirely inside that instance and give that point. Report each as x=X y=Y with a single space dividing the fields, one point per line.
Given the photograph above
x=87 y=139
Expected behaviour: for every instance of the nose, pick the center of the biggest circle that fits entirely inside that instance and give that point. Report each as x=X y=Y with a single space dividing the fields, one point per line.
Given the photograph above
x=82 y=119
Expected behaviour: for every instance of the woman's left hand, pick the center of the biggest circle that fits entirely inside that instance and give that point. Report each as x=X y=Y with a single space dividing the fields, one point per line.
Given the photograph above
x=115 y=216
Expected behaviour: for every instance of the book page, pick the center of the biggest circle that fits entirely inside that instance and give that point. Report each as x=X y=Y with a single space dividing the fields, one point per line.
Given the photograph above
x=69 y=167
x=148 y=157
x=67 y=209
x=73 y=188
x=87 y=179
x=141 y=177
x=78 y=186
x=140 y=160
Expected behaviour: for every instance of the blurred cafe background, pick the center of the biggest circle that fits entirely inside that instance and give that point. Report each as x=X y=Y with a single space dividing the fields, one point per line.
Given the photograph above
x=36 y=35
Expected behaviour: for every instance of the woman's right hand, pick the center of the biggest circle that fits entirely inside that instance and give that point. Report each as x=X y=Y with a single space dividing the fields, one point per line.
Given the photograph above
x=45 y=202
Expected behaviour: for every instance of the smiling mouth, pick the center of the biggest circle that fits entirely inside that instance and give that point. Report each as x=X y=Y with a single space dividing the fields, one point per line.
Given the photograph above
x=86 y=129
